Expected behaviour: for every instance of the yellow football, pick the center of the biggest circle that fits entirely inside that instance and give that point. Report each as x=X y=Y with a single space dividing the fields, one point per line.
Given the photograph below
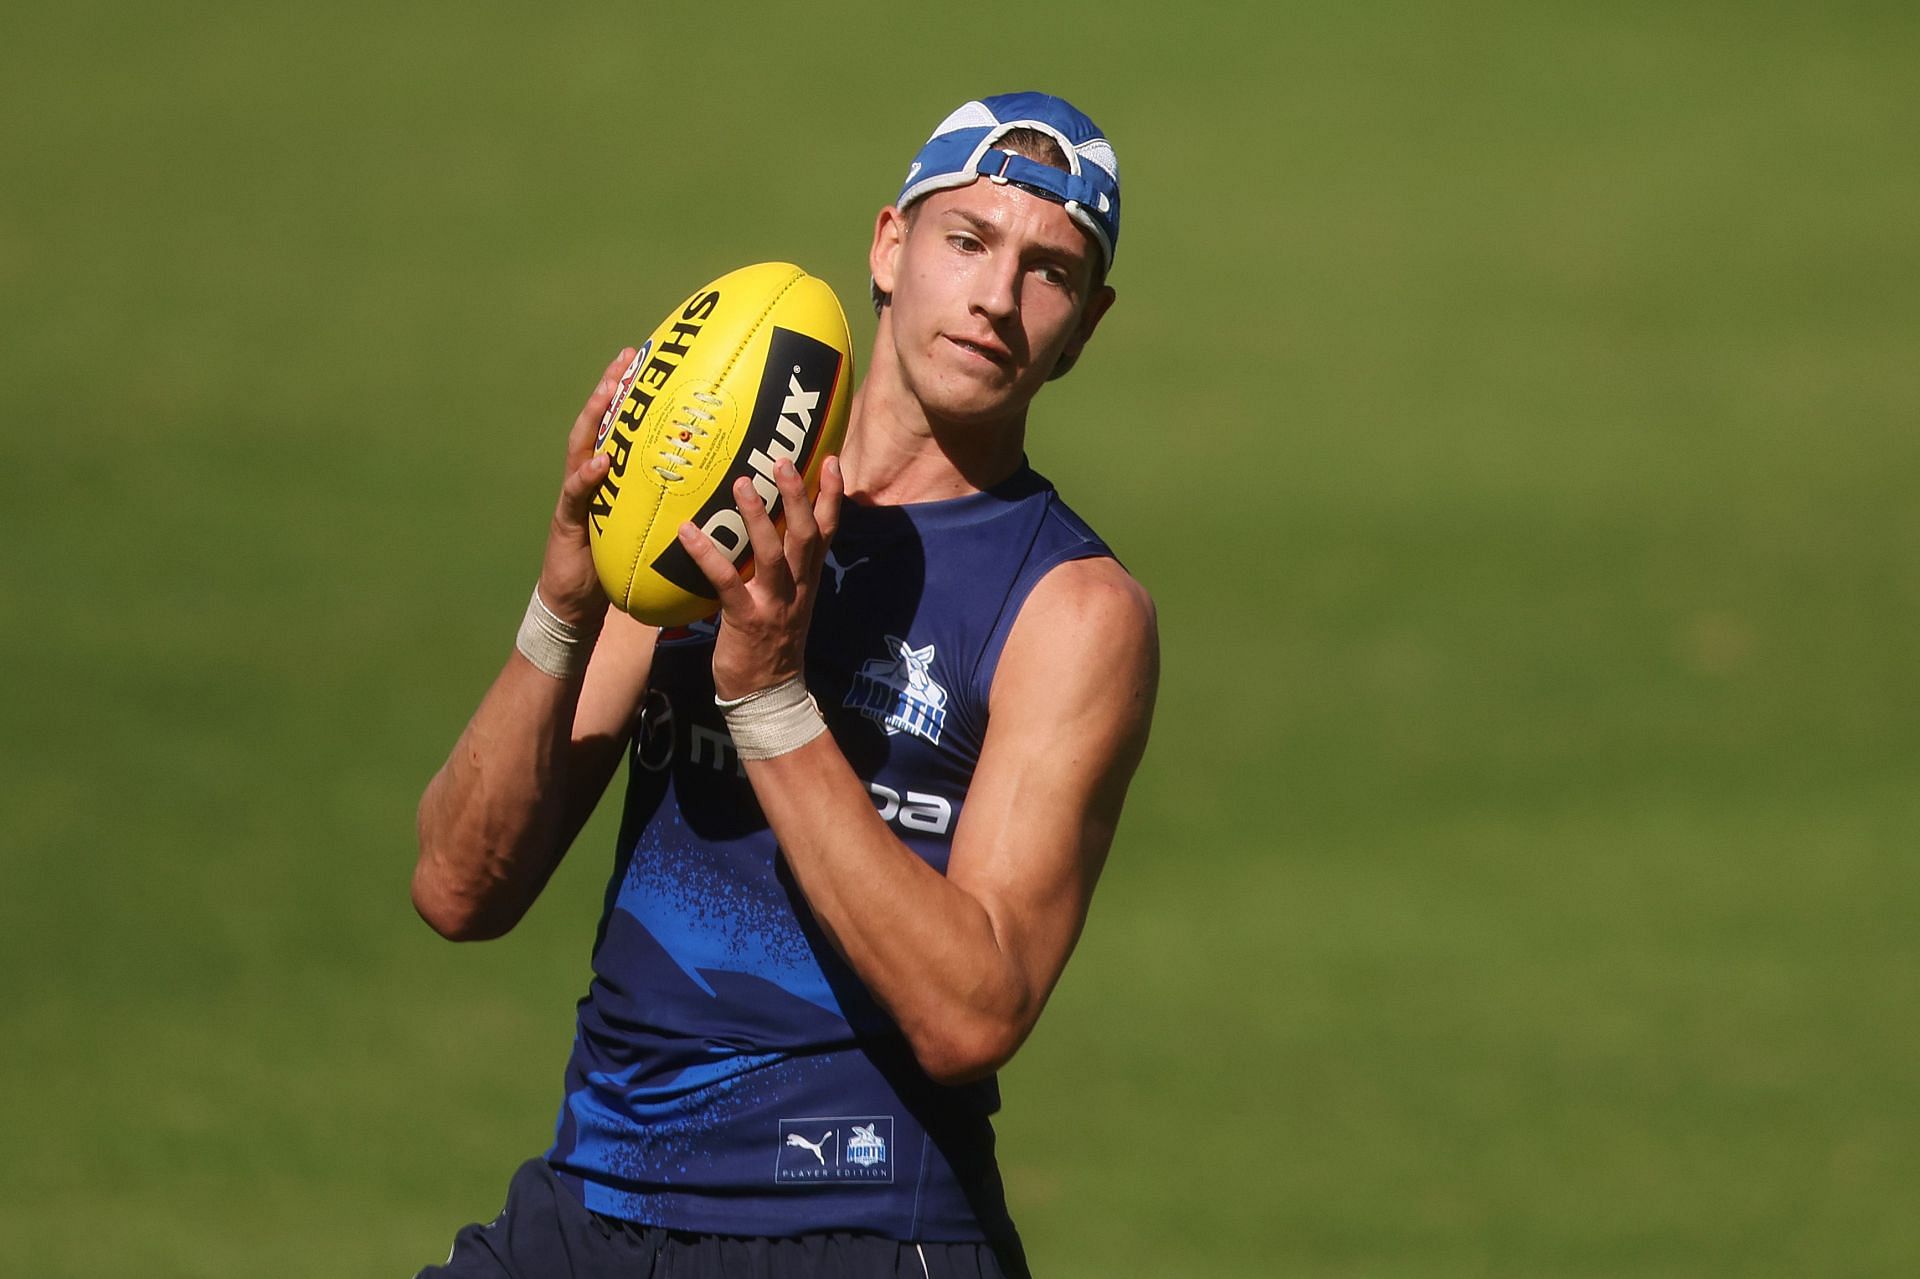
x=754 y=367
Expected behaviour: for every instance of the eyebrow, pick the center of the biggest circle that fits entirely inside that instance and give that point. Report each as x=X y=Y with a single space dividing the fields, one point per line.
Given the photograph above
x=1076 y=253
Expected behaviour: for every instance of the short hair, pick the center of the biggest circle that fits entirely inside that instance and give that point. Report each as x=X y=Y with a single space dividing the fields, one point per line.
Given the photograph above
x=1041 y=148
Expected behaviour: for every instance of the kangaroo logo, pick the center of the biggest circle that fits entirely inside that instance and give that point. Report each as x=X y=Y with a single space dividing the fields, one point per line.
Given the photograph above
x=795 y=1139
x=866 y=1147
x=900 y=693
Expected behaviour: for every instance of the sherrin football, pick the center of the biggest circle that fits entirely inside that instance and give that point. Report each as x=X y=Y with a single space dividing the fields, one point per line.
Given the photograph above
x=754 y=367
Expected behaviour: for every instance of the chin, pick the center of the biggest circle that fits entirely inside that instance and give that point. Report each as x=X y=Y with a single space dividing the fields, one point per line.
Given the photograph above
x=973 y=404
x=968 y=398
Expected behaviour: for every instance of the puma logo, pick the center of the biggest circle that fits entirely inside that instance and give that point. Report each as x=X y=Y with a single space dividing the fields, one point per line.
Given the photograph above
x=840 y=570
x=795 y=1139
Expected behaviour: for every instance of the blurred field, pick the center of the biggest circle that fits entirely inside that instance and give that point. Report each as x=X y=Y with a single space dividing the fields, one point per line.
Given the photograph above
x=1515 y=409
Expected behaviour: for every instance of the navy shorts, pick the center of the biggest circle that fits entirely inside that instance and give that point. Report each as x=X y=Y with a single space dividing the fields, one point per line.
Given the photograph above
x=545 y=1232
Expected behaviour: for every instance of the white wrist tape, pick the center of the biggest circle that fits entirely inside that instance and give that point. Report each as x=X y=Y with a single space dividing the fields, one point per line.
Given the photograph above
x=772 y=721
x=558 y=648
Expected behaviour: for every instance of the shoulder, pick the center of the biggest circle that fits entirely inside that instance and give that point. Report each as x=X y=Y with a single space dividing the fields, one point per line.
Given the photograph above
x=1090 y=599
x=1087 y=631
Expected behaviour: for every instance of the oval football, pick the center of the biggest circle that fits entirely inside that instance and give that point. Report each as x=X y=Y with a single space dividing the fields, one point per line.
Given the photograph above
x=753 y=368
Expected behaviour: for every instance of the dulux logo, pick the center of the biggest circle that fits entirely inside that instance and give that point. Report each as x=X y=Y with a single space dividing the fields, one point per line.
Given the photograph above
x=784 y=423
x=726 y=526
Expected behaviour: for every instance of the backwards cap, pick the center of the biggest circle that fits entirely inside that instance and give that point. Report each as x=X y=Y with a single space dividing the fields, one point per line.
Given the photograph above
x=961 y=150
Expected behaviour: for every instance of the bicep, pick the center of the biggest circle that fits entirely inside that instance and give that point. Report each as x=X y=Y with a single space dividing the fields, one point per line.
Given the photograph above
x=1072 y=700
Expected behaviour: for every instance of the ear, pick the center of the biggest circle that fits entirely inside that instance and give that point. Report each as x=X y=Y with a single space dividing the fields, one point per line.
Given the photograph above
x=1097 y=306
x=883 y=259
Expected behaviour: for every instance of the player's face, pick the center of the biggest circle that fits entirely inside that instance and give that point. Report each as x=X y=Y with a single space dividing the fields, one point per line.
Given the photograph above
x=990 y=286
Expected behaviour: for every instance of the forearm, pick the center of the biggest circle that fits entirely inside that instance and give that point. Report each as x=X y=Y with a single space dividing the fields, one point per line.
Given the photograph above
x=497 y=817
x=492 y=823
x=931 y=952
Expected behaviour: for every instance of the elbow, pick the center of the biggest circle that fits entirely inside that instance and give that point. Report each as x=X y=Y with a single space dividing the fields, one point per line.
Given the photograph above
x=450 y=915
x=445 y=902
x=965 y=1051
x=450 y=908
x=439 y=916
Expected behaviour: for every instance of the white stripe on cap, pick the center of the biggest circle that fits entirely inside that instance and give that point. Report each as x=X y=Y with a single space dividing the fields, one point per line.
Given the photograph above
x=970 y=115
x=1100 y=151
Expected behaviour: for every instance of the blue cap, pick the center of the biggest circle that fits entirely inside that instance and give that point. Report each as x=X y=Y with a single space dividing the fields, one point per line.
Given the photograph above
x=961 y=150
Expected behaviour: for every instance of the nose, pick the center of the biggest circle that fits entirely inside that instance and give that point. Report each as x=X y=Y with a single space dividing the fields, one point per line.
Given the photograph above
x=997 y=287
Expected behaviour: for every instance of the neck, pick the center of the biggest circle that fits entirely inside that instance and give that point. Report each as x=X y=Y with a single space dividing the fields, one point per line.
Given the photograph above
x=897 y=452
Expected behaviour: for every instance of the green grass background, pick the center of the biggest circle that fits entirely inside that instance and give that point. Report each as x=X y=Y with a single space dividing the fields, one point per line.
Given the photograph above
x=1515 y=409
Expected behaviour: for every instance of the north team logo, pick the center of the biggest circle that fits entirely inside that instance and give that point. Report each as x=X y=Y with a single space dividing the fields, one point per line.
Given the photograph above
x=899 y=693
x=866 y=1147
x=835 y=1148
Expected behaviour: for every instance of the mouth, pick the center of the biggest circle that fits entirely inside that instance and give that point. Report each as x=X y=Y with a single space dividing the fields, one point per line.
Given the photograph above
x=989 y=352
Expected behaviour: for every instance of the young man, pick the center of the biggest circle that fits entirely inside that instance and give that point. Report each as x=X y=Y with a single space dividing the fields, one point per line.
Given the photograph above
x=866 y=807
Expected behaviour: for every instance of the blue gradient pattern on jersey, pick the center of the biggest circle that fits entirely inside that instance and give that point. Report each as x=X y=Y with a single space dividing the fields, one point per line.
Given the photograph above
x=707 y=920
x=719 y=1017
x=654 y=1127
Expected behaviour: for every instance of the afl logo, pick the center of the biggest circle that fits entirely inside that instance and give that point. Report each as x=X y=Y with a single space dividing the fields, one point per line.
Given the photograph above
x=620 y=393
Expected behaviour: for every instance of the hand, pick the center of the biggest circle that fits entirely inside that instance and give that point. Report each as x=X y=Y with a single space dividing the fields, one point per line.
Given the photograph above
x=763 y=621
x=568 y=583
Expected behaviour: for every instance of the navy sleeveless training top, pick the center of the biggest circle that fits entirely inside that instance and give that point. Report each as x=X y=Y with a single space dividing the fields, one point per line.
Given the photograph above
x=730 y=1074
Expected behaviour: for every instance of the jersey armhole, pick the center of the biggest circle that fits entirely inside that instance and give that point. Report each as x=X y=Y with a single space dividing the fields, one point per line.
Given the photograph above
x=1030 y=576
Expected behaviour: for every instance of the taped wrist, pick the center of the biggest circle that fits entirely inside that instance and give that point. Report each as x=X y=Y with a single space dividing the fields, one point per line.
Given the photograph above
x=772 y=721
x=557 y=648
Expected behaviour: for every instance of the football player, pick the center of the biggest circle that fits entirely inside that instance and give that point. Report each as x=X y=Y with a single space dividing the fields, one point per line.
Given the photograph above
x=866 y=808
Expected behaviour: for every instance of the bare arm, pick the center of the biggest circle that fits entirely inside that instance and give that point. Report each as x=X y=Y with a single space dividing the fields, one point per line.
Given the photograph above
x=534 y=759
x=963 y=962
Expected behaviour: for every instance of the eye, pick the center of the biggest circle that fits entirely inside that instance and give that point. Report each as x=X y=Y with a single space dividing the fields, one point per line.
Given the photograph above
x=963 y=242
x=1055 y=274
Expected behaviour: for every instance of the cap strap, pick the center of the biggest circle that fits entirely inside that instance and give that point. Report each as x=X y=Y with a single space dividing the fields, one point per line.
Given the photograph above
x=1007 y=166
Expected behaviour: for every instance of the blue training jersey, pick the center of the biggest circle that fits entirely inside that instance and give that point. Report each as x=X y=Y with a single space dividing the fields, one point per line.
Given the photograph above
x=730 y=1074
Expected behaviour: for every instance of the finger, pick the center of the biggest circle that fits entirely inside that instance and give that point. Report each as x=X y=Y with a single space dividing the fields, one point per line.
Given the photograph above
x=801 y=529
x=716 y=568
x=576 y=492
x=602 y=394
x=826 y=507
x=769 y=551
x=587 y=425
